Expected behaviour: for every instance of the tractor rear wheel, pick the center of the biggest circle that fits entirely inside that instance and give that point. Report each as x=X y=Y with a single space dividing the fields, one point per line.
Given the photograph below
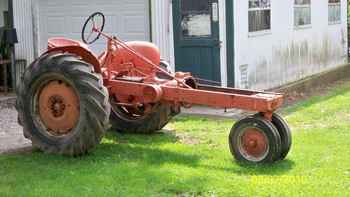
x=255 y=140
x=126 y=120
x=62 y=105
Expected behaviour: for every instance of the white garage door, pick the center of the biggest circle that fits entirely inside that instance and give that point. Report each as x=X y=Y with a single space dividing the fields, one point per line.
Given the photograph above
x=127 y=19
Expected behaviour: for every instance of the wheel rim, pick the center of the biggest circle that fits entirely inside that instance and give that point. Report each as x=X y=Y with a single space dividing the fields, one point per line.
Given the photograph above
x=253 y=144
x=58 y=107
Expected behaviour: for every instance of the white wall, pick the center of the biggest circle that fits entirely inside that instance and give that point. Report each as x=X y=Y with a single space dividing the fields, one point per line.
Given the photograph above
x=3 y=7
x=286 y=54
x=162 y=28
x=23 y=21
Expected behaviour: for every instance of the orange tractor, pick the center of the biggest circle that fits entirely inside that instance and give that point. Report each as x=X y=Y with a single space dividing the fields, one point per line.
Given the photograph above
x=69 y=97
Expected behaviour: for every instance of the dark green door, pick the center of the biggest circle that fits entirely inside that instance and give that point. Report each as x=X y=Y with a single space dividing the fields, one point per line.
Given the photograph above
x=196 y=37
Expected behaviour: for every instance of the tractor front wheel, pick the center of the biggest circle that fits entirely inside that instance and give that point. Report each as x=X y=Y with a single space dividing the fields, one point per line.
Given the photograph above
x=255 y=140
x=284 y=131
x=62 y=105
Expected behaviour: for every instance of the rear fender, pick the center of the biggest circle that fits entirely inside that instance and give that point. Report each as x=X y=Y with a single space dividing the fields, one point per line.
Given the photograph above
x=75 y=47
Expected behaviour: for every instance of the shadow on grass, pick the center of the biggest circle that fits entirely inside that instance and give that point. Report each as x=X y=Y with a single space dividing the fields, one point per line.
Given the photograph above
x=117 y=148
x=145 y=149
x=158 y=138
x=127 y=158
x=276 y=169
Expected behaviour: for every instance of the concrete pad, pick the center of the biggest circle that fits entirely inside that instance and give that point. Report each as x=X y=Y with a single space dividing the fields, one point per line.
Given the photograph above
x=11 y=135
x=213 y=112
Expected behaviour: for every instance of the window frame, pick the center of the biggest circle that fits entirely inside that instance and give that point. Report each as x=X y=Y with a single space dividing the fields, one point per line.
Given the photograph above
x=340 y=16
x=296 y=6
x=262 y=31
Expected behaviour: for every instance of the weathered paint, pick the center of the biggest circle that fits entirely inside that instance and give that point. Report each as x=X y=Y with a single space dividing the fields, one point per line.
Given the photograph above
x=286 y=54
x=162 y=29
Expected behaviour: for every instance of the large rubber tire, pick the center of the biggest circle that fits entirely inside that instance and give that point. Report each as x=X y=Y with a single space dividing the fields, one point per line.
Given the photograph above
x=284 y=131
x=147 y=124
x=150 y=123
x=271 y=154
x=94 y=108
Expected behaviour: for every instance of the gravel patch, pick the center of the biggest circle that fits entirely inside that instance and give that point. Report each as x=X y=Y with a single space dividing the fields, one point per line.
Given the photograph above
x=11 y=136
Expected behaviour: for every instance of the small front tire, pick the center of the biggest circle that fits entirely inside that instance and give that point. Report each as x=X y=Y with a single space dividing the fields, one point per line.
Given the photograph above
x=255 y=140
x=284 y=131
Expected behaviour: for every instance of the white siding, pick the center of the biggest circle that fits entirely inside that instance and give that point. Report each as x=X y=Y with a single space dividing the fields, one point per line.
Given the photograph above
x=23 y=23
x=286 y=54
x=162 y=30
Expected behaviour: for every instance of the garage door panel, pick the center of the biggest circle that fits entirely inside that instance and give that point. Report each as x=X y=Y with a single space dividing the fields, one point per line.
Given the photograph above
x=133 y=24
x=109 y=26
x=52 y=3
x=126 y=19
x=76 y=24
x=55 y=25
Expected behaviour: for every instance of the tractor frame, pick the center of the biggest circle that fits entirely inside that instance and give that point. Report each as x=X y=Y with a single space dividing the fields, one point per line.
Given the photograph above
x=136 y=81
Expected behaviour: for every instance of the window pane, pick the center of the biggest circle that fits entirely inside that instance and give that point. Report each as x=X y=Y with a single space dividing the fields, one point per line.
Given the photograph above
x=259 y=3
x=302 y=2
x=334 y=13
x=196 y=25
x=302 y=16
x=196 y=18
x=259 y=20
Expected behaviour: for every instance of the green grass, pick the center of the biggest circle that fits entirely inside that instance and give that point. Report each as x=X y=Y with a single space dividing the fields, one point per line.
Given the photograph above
x=193 y=159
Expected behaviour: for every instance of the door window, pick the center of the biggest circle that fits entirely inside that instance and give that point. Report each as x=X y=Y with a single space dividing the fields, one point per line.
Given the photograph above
x=196 y=18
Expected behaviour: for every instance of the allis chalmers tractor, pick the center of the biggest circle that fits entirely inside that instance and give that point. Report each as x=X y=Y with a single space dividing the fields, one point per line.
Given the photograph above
x=69 y=97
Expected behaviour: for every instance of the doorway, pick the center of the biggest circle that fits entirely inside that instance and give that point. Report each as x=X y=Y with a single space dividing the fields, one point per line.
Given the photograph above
x=197 y=39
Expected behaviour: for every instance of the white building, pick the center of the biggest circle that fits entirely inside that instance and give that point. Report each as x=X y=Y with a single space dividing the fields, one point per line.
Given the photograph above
x=257 y=44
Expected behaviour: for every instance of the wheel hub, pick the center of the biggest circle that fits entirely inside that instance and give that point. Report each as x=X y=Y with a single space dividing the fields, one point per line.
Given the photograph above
x=254 y=144
x=58 y=106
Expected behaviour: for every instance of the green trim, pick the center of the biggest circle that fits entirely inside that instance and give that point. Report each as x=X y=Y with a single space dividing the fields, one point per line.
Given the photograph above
x=230 y=44
x=10 y=11
x=150 y=20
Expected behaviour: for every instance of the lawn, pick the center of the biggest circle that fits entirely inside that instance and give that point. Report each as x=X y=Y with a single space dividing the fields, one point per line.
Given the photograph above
x=192 y=158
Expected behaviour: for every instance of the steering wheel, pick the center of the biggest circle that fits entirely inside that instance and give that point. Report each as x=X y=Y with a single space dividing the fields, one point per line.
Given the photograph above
x=93 y=28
